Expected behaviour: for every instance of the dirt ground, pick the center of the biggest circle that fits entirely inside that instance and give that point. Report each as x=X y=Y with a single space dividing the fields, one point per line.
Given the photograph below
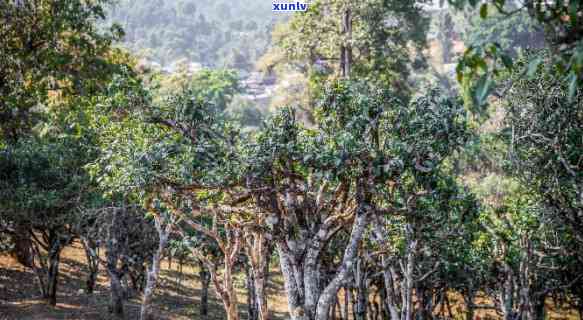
x=20 y=297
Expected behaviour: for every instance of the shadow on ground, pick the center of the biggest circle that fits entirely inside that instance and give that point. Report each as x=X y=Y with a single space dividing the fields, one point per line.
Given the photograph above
x=20 y=298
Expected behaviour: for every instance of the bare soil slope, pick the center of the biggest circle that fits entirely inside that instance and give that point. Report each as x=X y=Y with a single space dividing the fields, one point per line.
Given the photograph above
x=20 y=297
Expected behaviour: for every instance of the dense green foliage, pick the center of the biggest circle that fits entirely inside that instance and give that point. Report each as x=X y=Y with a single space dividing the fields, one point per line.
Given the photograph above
x=379 y=47
x=380 y=41
x=562 y=27
x=516 y=33
x=545 y=128
x=387 y=191
x=49 y=50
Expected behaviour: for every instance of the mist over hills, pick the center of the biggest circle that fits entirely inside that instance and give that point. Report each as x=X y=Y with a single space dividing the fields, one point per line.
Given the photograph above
x=214 y=34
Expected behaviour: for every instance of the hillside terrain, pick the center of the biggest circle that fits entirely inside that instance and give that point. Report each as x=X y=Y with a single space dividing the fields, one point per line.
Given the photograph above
x=213 y=34
x=359 y=160
x=177 y=298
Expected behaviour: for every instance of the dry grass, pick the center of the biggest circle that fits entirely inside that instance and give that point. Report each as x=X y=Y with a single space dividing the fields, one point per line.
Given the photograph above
x=20 y=298
x=458 y=309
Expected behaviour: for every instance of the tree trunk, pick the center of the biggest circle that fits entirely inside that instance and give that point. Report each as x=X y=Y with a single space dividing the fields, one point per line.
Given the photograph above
x=261 y=292
x=408 y=276
x=205 y=280
x=230 y=299
x=294 y=298
x=391 y=300
x=227 y=292
x=532 y=303
x=252 y=312
x=311 y=281
x=346 y=47
x=92 y=264
x=384 y=308
x=353 y=302
x=224 y=283
x=259 y=252
x=424 y=302
x=23 y=250
x=53 y=273
x=299 y=259
x=539 y=308
x=116 y=289
x=361 y=290
x=469 y=301
x=330 y=292
x=363 y=308
x=46 y=268
x=232 y=312
x=116 y=303
x=448 y=306
x=146 y=312
x=444 y=36
x=344 y=309
x=507 y=294
x=374 y=308
x=180 y=274
x=390 y=293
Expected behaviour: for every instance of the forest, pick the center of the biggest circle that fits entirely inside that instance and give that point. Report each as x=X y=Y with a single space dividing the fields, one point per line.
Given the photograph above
x=363 y=160
x=215 y=34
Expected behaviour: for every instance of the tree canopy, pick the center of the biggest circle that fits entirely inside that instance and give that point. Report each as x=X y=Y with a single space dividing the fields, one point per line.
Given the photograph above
x=377 y=191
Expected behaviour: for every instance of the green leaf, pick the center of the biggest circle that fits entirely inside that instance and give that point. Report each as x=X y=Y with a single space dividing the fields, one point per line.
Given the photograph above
x=573 y=10
x=507 y=61
x=483 y=88
x=484 y=11
x=499 y=3
x=481 y=63
x=459 y=70
x=533 y=67
x=572 y=86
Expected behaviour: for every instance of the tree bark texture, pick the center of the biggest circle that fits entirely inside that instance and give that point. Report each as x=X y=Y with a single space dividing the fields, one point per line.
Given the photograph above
x=164 y=227
x=329 y=294
x=53 y=273
x=205 y=279
x=92 y=264
x=23 y=251
x=252 y=308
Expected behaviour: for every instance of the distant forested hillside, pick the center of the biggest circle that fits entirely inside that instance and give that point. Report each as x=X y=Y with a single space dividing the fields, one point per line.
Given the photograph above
x=214 y=33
